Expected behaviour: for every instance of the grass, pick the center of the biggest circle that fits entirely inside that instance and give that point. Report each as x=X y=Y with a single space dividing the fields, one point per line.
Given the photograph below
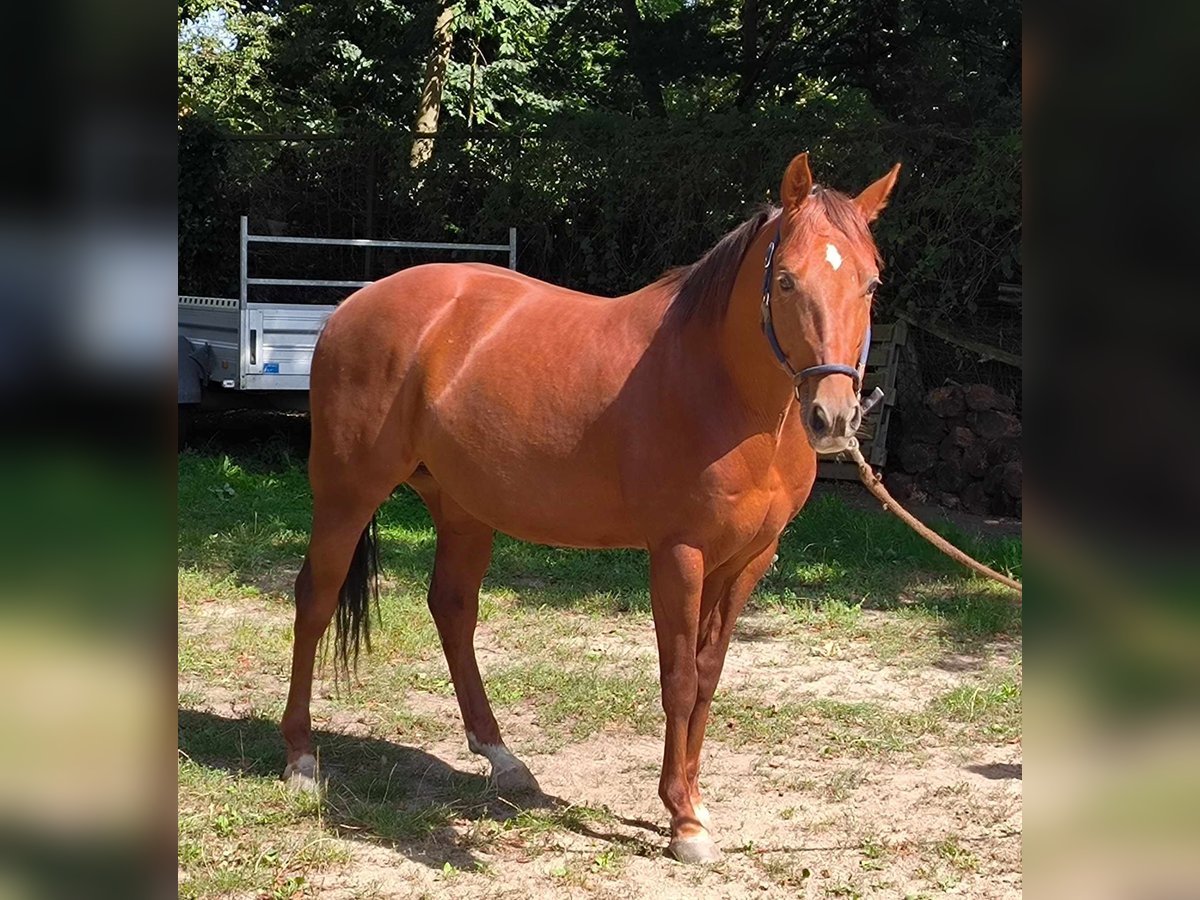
x=834 y=559
x=990 y=712
x=247 y=834
x=850 y=583
x=583 y=700
x=842 y=784
x=960 y=858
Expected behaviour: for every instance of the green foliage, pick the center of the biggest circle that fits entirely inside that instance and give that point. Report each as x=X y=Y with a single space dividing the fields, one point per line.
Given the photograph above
x=223 y=49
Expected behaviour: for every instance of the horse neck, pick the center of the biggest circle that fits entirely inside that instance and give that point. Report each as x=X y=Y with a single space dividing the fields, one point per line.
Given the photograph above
x=740 y=345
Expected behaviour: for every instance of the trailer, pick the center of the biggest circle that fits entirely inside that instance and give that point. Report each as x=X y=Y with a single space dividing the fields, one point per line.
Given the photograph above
x=238 y=349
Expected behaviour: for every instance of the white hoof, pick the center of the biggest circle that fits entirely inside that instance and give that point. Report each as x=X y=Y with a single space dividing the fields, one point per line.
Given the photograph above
x=698 y=849
x=515 y=780
x=509 y=774
x=301 y=775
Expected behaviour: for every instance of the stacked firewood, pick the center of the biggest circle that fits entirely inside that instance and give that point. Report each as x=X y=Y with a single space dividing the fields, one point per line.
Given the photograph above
x=961 y=449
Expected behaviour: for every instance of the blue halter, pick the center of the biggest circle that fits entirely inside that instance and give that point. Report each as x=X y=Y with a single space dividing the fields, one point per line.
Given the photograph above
x=855 y=373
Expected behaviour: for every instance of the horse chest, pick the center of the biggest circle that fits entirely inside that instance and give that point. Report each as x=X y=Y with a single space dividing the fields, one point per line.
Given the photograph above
x=751 y=500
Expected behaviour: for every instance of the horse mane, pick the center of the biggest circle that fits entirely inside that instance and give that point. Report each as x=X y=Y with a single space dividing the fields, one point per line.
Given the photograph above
x=702 y=289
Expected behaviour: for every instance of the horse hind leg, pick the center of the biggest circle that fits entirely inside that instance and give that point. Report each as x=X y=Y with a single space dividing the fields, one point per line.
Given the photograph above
x=337 y=570
x=464 y=551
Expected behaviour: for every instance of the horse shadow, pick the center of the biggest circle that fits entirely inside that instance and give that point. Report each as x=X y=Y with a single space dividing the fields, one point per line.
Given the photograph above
x=383 y=793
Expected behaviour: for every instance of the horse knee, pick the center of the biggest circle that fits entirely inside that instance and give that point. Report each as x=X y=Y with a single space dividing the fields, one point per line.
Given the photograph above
x=679 y=690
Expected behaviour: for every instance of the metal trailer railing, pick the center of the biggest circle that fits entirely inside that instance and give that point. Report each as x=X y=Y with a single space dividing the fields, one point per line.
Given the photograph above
x=247 y=345
x=247 y=238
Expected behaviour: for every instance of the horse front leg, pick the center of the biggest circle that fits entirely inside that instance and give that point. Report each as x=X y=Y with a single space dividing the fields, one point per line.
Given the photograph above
x=726 y=592
x=676 y=583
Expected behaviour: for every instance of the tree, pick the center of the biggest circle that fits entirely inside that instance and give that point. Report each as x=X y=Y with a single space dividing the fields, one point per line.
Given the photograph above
x=429 y=107
x=641 y=57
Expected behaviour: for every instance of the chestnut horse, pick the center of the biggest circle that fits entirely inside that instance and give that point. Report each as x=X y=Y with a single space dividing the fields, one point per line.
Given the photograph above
x=683 y=419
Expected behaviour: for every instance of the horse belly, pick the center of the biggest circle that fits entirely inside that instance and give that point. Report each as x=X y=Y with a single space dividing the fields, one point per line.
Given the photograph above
x=531 y=471
x=542 y=503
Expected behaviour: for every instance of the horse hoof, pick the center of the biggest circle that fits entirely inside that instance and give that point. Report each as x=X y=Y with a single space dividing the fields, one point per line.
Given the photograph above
x=515 y=779
x=301 y=775
x=698 y=849
x=703 y=816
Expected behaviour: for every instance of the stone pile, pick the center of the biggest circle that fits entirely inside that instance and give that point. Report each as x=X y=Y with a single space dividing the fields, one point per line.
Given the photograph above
x=961 y=449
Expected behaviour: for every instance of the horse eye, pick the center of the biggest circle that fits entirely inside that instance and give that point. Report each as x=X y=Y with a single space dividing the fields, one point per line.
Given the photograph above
x=873 y=285
x=785 y=282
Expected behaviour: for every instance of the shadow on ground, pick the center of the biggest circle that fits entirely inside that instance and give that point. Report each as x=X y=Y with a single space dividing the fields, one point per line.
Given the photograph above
x=389 y=794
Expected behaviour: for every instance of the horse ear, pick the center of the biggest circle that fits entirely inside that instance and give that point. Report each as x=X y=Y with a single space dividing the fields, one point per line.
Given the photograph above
x=875 y=198
x=797 y=182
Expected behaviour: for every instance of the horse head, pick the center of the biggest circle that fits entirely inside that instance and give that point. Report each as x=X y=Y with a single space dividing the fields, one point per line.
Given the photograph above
x=821 y=276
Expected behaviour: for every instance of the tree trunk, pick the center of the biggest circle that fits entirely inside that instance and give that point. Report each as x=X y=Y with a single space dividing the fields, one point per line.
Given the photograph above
x=430 y=107
x=639 y=58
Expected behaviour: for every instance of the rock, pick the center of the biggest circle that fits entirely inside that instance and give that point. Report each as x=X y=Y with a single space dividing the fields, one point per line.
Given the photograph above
x=899 y=484
x=947 y=450
x=991 y=481
x=1011 y=477
x=959 y=438
x=1004 y=450
x=992 y=425
x=975 y=460
x=948 y=500
x=946 y=401
x=975 y=499
x=950 y=476
x=984 y=396
x=915 y=458
x=924 y=427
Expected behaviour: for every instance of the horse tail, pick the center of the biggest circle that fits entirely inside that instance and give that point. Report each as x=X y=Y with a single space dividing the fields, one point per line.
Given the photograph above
x=353 y=620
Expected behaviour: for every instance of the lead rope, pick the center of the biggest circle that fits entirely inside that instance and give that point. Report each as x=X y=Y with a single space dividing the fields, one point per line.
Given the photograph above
x=874 y=484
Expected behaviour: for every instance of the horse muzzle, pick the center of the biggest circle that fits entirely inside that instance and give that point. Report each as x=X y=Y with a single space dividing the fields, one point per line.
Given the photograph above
x=831 y=425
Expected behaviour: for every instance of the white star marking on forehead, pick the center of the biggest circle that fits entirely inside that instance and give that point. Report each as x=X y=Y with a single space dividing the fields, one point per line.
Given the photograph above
x=833 y=257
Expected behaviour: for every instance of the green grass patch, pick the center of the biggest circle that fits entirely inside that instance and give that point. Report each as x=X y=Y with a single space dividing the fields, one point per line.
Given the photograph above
x=197 y=586
x=575 y=817
x=248 y=835
x=861 y=729
x=787 y=870
x=989 y=711
x=583 y=700
x=959 y=857
x=842 y=783
x=834 y=558
x=233 y=805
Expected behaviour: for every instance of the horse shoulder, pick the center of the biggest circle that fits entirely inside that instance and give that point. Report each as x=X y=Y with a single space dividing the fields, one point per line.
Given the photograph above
x=795 y=464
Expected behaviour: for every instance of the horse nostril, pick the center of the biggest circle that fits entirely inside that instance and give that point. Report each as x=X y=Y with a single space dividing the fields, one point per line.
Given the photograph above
x=856 y=419
x=817 y=420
